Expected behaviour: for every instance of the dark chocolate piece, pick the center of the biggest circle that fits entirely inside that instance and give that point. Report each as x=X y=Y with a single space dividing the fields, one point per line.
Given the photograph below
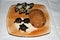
x=23 y=7
x=18 y=20
x=27 y=13
x=18 y=4
x=31 y=5
x=23 y=27
x=27 y=20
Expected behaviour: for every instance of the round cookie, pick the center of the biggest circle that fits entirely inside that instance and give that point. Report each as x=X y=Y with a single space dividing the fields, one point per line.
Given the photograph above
x=37 y=18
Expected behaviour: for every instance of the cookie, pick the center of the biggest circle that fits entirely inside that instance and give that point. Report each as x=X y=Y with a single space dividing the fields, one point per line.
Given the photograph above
x=37 y=18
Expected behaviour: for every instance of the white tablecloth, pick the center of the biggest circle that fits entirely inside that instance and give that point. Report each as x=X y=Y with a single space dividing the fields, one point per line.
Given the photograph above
x=53 y=9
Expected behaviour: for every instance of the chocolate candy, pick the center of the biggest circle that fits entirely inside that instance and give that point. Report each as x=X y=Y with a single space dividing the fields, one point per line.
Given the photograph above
x=18 y=20
x=23 y=27
x=23 y=7
x=27 y=20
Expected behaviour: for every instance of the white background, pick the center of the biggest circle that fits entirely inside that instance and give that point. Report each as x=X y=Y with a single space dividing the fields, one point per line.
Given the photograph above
x=53 y=7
